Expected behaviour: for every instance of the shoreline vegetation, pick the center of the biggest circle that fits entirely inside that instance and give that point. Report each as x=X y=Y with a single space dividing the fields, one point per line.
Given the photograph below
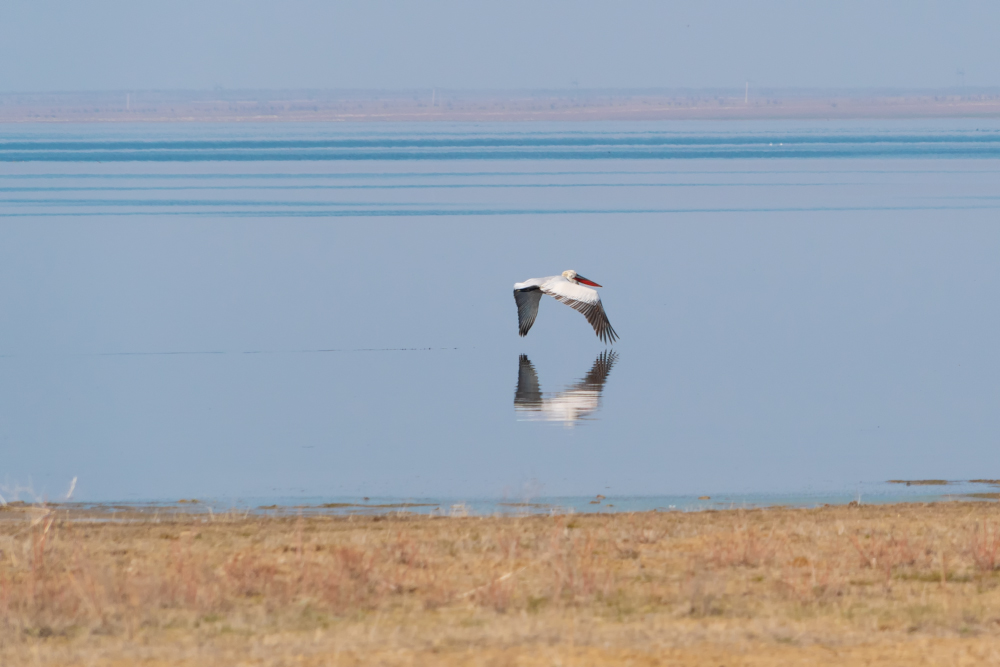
x=914 y=583
x=499 y=106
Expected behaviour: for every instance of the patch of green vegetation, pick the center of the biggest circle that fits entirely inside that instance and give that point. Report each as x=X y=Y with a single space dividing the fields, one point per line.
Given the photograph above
x=919 y=614
x=72 y=631
x=706 y=605
x=471 y=622
x=312 y=617
x=102 y=630
x=13 y=505
x=620 y=605
x=931 y=577
x=41 y=632
x=536 y=603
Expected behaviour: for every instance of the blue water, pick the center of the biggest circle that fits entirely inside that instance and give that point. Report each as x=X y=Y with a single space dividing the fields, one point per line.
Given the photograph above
x=237 y=312
x=870 y=493
x=483 y=141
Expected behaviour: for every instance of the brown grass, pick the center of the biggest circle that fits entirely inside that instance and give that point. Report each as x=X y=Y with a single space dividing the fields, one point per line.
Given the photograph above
x=903 y=584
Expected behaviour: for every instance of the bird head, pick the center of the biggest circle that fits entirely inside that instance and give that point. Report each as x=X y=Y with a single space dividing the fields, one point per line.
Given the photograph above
x=577 y=278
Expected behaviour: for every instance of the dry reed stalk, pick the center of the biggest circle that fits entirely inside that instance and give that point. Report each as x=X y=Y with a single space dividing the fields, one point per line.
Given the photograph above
x=745 y=546
x=985 y=545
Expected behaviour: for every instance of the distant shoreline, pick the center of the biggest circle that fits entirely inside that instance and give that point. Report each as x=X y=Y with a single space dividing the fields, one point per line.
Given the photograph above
x=451 y=106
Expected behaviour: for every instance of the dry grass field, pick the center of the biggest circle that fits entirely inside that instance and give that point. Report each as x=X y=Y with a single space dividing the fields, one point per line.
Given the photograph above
x=872 y=585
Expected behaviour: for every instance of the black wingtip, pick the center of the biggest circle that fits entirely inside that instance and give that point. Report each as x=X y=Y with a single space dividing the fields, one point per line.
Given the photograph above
x=609 y=336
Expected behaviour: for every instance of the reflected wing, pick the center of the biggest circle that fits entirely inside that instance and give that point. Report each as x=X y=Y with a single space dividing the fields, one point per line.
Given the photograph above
x=578 y=402
x=527 y=299
x=528 y=394
x=584 y=300
x=598 y=374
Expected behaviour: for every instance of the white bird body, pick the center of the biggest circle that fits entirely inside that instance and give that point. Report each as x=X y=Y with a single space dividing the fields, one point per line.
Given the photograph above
x=569 y=288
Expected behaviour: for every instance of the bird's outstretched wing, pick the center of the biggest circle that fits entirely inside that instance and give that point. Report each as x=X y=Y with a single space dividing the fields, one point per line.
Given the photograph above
x=527 y=299
x=528 y=394
x=584 y=300
x=598 y=374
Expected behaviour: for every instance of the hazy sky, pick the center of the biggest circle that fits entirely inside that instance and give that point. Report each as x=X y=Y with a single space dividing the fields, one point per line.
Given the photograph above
x=198 y=44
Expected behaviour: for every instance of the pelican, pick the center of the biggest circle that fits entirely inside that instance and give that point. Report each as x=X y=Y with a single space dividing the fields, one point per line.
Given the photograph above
x=578 y=401
x=569 y=289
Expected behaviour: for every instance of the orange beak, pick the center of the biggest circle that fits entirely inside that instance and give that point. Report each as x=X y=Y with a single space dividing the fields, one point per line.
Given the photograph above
x=581 y=279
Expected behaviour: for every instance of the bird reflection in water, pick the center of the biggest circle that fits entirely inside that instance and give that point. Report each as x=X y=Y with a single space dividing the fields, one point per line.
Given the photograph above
x=576 y=402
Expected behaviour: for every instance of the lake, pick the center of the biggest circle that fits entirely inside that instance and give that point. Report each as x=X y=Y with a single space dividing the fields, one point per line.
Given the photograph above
x=278 y=312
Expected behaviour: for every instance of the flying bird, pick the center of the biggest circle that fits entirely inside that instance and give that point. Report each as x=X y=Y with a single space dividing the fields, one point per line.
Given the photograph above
x=569 y=289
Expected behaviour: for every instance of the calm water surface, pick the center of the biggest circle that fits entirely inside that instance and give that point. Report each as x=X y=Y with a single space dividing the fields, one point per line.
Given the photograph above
x=325 y=311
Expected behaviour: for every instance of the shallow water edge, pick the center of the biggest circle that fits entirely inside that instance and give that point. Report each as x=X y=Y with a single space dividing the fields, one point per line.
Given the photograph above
x=879 y=493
